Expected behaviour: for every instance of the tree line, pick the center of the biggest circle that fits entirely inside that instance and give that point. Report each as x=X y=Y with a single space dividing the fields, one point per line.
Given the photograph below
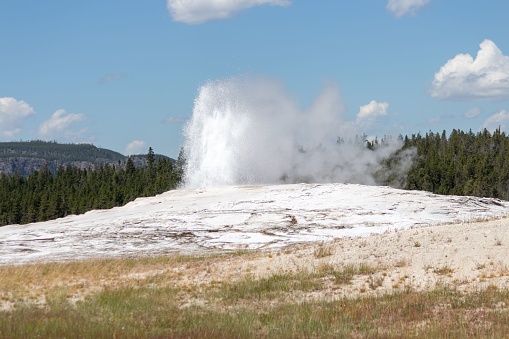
x=43 y=196
x=462 y=163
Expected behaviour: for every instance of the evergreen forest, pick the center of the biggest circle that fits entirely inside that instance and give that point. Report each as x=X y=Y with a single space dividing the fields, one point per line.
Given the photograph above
x=462 y=163
x=44 y=196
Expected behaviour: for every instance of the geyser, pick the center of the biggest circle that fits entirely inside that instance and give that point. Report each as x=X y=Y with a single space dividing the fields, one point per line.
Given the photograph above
x=248 y=130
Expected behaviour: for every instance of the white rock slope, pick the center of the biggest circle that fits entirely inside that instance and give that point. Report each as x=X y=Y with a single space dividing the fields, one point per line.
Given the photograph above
x=237 y=217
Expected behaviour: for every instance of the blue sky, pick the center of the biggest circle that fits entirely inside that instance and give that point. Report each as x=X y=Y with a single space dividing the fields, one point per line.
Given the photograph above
x=124 y=74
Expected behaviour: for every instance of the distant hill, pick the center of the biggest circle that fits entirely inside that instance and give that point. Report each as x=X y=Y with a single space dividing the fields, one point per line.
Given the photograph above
x=26 y=157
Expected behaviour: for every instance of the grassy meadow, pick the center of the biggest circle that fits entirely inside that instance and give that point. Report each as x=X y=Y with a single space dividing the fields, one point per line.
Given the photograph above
x=167 y=296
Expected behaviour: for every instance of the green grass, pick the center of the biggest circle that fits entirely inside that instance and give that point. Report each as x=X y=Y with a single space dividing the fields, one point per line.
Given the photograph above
x=154 y=312
x=267 y=288
x=345 y=275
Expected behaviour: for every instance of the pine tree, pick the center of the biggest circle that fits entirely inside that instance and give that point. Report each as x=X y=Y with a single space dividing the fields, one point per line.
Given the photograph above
x=150 y=159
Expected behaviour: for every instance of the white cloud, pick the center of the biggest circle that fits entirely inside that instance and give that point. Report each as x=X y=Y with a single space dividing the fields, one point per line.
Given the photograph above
x=485 y=77
x=200 y=11
x=13 y=114
x=59 y=126
x=438 y=120
x=372 y=111
x=472 y=113
x=171 y=120
x=136 y=147
x=111 y=77
x=406 y=7
x=499 y=119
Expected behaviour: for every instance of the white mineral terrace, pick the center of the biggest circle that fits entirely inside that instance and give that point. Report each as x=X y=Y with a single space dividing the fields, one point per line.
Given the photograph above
x=241 y=217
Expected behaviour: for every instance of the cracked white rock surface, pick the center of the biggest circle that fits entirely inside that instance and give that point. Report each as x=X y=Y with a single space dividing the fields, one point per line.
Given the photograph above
x=228 y=218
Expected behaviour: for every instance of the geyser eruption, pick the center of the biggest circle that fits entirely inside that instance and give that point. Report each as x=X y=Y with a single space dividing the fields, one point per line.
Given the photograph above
x=251 y=131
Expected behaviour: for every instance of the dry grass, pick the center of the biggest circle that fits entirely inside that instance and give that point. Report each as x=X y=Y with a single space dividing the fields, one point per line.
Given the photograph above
x=443 y=270
x=215 y=296
x=33 y=283
x=324 y=249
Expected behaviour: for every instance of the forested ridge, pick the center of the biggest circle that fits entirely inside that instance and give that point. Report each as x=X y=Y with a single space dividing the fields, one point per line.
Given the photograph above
x=51 y=149
x=43 y=196
x=26 y=157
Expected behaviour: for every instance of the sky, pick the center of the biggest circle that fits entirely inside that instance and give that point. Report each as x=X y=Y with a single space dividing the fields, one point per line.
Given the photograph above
x=124 y=75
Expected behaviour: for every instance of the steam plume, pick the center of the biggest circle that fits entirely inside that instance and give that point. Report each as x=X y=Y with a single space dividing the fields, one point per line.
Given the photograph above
x=248 y=130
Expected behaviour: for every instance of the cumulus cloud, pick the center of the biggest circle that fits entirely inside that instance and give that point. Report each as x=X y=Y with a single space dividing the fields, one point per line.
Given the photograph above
x=136 y=147
x=472 y=113
x=466 y=78
x=497 y=120
x=372 y=111
x=61 y=126
x=406 y=7
x=200 y=11
x=13 y=114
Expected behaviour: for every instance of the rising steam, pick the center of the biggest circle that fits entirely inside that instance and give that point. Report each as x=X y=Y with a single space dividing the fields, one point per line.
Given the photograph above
x=251 y=131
